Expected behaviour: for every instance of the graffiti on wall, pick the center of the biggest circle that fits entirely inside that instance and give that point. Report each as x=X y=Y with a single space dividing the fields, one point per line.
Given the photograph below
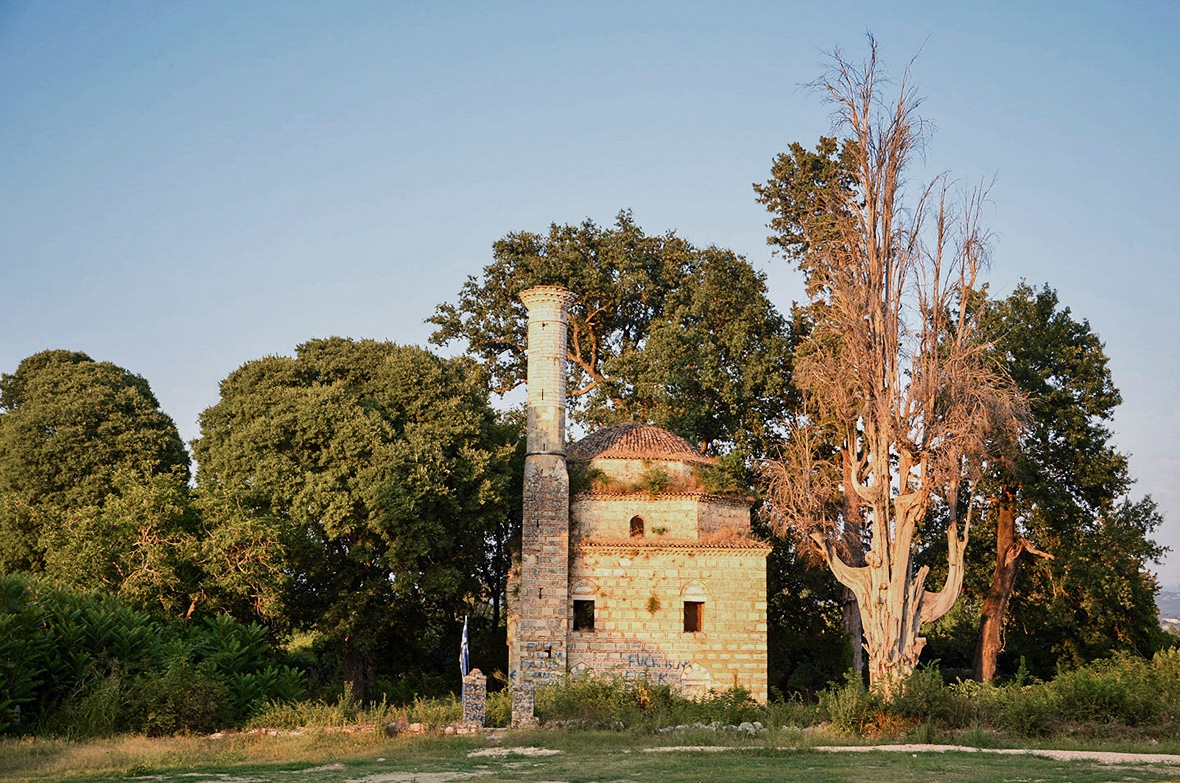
x=540 y=662
x=653 y=666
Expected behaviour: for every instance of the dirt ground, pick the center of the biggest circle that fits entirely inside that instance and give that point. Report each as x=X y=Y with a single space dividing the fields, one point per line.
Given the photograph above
x=1101 y=757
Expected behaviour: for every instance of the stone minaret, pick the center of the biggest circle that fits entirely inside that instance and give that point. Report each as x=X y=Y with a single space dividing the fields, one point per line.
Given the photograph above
x=538 y=628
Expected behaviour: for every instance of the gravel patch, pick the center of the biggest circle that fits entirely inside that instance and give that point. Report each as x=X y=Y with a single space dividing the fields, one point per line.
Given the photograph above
x=1101 y=756
x=419 y=777
x=502 y=752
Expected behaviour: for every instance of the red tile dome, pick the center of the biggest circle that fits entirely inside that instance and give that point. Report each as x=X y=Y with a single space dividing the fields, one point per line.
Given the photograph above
x=636 y=441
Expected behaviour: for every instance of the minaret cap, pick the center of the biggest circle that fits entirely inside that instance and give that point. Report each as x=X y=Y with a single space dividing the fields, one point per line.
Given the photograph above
x=548 y=294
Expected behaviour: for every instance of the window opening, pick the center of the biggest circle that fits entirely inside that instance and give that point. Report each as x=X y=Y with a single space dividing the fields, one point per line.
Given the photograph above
x=694 y=616
x=636 y=527
x=583 y=615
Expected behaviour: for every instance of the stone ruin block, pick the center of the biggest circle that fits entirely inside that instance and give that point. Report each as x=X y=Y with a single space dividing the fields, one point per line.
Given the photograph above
x=475 y=697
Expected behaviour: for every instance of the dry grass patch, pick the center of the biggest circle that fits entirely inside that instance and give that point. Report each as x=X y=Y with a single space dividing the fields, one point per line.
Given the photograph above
x=41 y=759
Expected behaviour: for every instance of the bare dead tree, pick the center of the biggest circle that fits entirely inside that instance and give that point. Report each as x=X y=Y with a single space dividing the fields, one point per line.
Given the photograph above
x=901 y=400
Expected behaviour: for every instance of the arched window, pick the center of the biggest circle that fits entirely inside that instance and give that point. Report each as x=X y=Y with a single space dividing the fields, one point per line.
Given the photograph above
x=636 y=527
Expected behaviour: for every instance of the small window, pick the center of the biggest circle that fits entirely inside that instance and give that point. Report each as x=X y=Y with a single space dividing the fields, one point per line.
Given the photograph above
x=636 y=527
x=694 y=616
x=583 y=615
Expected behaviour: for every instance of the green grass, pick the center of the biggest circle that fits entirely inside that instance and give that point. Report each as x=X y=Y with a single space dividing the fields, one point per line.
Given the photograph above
x=586 y=756
x=603 y=727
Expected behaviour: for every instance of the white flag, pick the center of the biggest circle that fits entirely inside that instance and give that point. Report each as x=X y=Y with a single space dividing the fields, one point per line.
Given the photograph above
x=464 y=654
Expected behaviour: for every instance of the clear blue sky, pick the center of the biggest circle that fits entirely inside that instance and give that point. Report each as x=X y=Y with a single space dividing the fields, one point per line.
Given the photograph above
x=188 y=186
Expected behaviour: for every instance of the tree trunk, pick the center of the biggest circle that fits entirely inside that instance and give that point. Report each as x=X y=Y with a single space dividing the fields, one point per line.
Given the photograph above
x=357 y=668
x=854 y=630
x=894 y=602
x=995 y=608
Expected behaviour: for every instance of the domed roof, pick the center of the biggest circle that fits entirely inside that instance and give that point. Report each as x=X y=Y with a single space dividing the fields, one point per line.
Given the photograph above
x=636 y=441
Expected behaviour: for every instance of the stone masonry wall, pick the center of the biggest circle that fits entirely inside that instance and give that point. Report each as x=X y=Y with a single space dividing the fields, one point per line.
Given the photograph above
x=537 y=647
x=539 y=601
x=682 y=516
x=628 y=471
x=639 y=615
x=610 y=515
x=720 y=515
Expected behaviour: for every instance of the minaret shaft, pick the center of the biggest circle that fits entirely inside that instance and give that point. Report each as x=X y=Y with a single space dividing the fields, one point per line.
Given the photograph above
x=539 y=631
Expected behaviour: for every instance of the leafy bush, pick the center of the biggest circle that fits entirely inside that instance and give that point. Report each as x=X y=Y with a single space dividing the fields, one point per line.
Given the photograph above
x=435 y=712
x=1166 y=683
x=1119 y=689
x=924 y=697
x=22 y=651
x=1023 y=710
x=80 y=664
x=729 y=707
x=499 y=708
x=638 y=704
x=850 y=707
x=94 y=708
x=236 y=655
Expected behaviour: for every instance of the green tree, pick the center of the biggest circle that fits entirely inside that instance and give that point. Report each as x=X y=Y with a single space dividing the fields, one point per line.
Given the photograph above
x=807 y=195
x=378 y=470
x=73 y=433
x=1056 y=490
x=716 y=364
x=1095 y=597
x=141 y=543
x=661 y=331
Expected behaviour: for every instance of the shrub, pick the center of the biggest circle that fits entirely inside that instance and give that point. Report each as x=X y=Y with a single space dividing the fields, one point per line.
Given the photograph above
x=435 y=712
x=850 y=707
x=93 y=646
x=729 y=707
x=237 y=656
x=23 y=647
x=95 y=708
x=924 y=697
x=1119 y=689
x=80 y=664
x=1024 y=710
x=1166 y=679
x=181 y=696
x=499 y=708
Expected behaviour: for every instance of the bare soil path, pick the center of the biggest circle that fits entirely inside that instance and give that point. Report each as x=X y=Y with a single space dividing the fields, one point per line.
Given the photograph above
x=1100 y=756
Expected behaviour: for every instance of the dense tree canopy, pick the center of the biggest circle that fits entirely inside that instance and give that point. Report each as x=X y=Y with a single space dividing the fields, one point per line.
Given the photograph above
x=78 y=438
x=142 y=543
x=662 y=331
x=351 y=488
x=1057 y=491
x=807 y=195
x=1095 y=597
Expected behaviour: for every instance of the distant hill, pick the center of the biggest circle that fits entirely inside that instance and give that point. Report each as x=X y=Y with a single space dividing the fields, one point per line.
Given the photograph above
x=1169 y=605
